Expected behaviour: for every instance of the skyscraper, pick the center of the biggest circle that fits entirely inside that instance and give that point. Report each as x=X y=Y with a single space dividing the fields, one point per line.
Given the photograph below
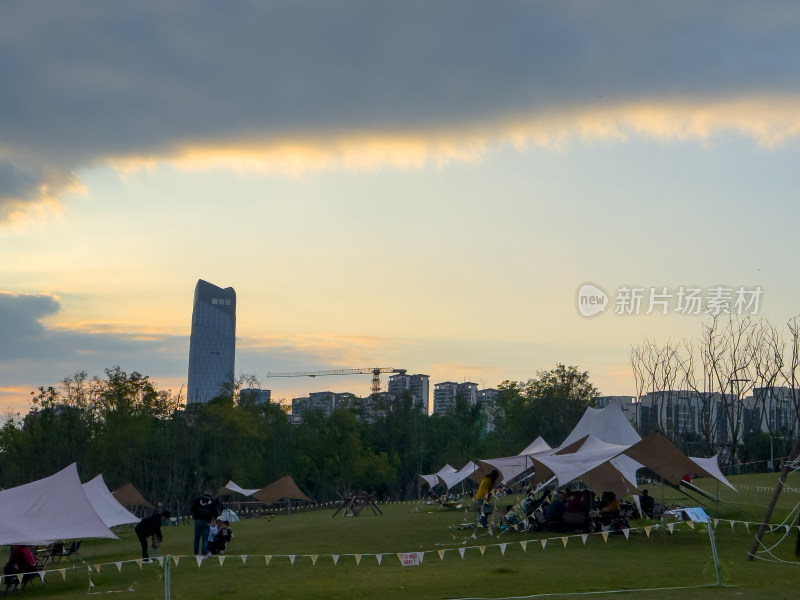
x=212 y=344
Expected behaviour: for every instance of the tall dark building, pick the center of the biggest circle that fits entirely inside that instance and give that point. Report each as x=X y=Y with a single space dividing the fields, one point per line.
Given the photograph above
x=212 y=344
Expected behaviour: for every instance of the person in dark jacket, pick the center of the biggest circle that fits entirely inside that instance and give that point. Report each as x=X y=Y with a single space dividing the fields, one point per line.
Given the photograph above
x=150 y=526
x=204 y=509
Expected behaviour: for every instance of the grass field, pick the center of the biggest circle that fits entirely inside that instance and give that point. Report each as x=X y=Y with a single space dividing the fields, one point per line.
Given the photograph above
x=492 y=566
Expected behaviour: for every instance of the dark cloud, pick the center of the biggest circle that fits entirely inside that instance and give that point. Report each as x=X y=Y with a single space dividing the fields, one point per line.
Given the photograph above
x=85 y=80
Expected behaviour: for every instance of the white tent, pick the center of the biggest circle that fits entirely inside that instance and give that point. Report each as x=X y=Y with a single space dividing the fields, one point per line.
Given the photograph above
x=111 y=511
x=711 y=466
x=449 y=479
x=607 y=424
x=510 y=467
x=433 y=479
x=232 y=487
x=53 y=508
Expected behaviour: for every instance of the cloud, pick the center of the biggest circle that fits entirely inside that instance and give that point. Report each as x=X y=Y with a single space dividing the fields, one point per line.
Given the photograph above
x=356 y=84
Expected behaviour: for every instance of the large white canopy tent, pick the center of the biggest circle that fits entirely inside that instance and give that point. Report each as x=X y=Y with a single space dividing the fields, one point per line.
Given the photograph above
x=433 y=479
x=104 y=503
x=451 y=478
x=510 y=467
x=231 y=487
x=50 y=509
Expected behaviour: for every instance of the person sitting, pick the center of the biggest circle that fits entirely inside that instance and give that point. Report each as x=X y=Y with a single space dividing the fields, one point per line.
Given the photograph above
x=647 y=503
x=609 y=508
x=221 y=539
x=20 y=560
x=575 y=511
x=554 y=513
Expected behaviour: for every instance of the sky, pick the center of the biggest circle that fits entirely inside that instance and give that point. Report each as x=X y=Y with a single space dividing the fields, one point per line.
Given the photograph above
x=415 y=185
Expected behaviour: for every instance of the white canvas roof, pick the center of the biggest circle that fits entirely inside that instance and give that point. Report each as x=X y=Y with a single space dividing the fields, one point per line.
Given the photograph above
x=53 y=508
x=537 y=445
x=111 y=511
x=232 y=487
x=450 y=479
x=711 y=466
x=607 y=424
x=433 y=479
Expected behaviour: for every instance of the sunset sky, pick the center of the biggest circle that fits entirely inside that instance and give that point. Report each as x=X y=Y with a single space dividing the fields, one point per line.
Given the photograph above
x=418 y=185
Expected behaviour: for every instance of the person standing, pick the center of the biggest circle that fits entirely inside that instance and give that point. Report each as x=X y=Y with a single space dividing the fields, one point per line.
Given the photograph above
x=204 y=510
x=150 y=526
x=483 y=497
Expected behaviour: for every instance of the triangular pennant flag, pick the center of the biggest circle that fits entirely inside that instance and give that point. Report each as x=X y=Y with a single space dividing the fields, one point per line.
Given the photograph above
x=746 y=526
x=690 y=524
x=358 y=558
x=503 y=549
x=379 y=557
x=647 y=530
x=91 y=584
x=605 y=536
x=787 y=528
x=63 y=574
x=421 y=556
x=244 y=559
x=335 y=558
x=291 y=558
x=138 y=562
x=564 y=541
x=441 y=554
x=716 y=522
x=221 y=559
x=584 y=537
x=42 y=575
x=199 y=559
x=482 y=549
x=175 y=559
x=267 y=558
x=473 y=536
x=544 y=543
x=314 y=559
x=627 y=533
x=160 y=560
x=524 y=545
x=461 y=551
x=670 y=527
x=119 y=566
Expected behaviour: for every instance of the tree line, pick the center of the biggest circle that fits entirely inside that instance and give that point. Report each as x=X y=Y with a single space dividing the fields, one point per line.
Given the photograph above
x=125 y=428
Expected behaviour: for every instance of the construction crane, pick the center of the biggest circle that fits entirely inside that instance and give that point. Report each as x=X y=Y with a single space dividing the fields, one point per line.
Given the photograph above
x=376 y=374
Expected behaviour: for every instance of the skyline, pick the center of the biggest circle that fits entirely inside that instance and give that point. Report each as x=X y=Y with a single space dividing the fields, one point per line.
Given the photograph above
x=414 y=186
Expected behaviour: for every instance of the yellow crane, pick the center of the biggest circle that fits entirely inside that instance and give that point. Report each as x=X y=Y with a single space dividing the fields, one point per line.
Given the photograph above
x=375 y=371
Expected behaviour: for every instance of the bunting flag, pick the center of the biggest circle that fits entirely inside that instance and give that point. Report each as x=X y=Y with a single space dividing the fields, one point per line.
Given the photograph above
x=379 y=557
x=626 y=532
x=670 y=527
x=502 y=549
x=524 y=545
x=176 y=559
x=482 y=549
x=198 y=558
x=63 y=574
x=441 y=554
x=584 y=537
x=314 y=559
x=138 y=562
x=732 y=522
x=358 y=558
x=564 y=541
x=244 y=559
x=690 y=524
x=461 y=551
x=335 y=558
x=544 y=543
x=421 y=555
x=221 y=559
x=647 y=530
x=291 y=558
x=42 y=575
x=160 y=560
x=267 y=558
x=119 y=566
x=746 y=526
x=605 y=536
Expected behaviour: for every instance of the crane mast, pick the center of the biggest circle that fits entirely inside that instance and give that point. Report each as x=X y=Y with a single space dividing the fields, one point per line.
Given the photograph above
x=375 y=371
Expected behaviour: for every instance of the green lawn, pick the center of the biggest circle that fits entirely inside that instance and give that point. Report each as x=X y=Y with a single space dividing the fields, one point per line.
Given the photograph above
x=660 y=560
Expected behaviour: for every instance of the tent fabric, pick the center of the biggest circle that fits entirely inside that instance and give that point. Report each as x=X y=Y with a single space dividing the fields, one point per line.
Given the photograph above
x=109 y=509
x=50 y=509
x=449 y=479
x=608 y=424
x=282 y=489
x=536 y=446
x=433 y=479
x=231 y=487
x=660 y=455
x=128 y=495
x=565 y=467
x=711 y=465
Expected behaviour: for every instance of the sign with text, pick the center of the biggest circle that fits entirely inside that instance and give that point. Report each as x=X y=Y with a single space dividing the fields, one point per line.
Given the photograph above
x=698 y=515
x=409 y=559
